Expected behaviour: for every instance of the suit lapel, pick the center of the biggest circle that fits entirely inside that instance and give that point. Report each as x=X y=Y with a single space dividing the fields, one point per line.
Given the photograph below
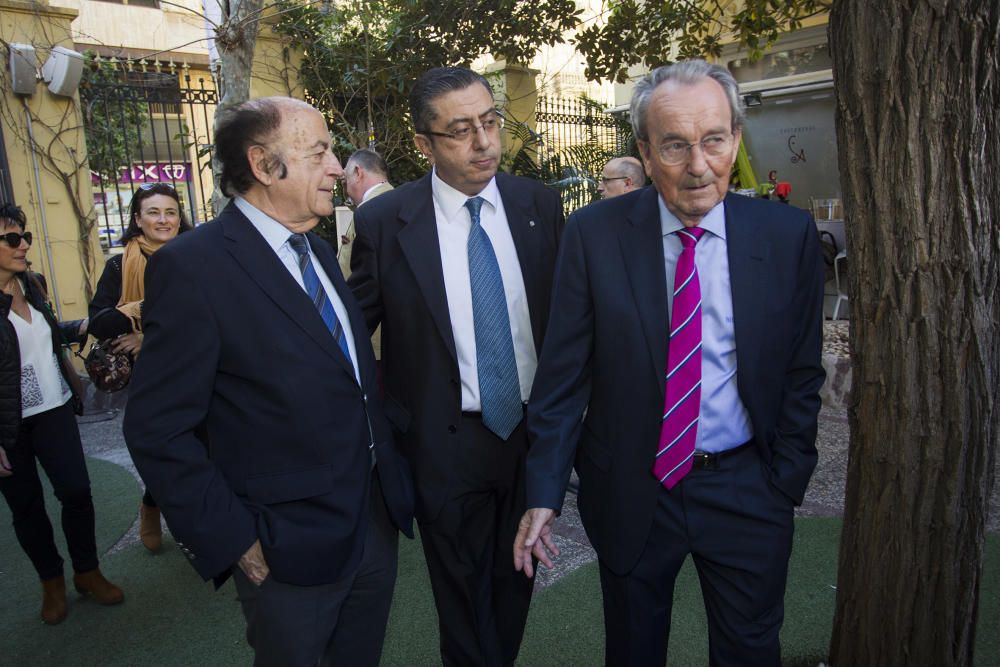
x=263 y=267
x=641 y=241
x=747 y=249
x=524 y=229
x=419 y=242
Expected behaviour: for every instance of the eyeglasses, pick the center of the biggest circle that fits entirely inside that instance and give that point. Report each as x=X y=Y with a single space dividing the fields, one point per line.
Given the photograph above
x=465 y=132
x=608 y=179
x=13 y=239
x=679 y=152
x=150 y=186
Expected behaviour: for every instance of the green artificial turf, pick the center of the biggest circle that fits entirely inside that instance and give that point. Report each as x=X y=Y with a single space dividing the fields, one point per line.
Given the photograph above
x=116 y=501
x=170 y=617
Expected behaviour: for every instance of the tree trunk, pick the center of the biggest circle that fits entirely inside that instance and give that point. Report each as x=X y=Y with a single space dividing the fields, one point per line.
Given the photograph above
x=919 y=143
x=235 y=40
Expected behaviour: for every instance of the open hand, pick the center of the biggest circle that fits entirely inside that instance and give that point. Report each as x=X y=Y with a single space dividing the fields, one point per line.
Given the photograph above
x=534 y=538
x=130 y=343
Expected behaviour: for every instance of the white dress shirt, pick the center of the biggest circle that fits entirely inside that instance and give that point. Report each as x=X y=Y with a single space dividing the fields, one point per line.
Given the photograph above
x=453 y=225
x=276 y=235
x=724 y=421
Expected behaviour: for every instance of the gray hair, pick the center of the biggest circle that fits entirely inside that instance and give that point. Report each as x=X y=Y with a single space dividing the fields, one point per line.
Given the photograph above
x=684 y=72
x=368 y=160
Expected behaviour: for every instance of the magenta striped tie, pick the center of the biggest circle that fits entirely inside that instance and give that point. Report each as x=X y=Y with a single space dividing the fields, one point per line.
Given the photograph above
x=683 y=401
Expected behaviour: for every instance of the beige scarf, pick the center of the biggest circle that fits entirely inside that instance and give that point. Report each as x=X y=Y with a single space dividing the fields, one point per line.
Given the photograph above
x=133 y=270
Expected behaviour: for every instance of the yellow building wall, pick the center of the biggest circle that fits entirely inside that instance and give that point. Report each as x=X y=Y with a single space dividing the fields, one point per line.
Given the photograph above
x=276 y=63
x=50 y=182
x=176 y=27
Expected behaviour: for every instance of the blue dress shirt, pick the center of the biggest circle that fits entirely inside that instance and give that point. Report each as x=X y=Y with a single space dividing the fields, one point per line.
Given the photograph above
x=724 y=422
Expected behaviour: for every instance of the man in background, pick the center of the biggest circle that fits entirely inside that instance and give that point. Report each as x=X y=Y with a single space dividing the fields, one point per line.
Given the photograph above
x=621 y=175
x=366 y=176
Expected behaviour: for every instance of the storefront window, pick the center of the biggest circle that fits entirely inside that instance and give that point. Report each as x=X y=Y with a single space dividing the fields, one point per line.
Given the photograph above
x=792 y=138
x=801 y=60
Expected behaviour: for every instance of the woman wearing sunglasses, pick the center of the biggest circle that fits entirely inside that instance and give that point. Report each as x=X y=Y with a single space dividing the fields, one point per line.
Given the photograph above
x=37 y=423
x=155 y=217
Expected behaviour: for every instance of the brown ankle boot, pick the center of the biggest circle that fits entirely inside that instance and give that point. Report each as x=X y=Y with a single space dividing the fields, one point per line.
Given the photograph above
x=54 y=600
x=100 y=589
x=149 y=527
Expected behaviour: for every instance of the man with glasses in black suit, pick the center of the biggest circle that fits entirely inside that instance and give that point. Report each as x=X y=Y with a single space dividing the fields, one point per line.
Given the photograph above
x=457 y=267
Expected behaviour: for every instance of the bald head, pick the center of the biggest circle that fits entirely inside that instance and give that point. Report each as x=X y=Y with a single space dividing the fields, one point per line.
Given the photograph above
x=621 y=175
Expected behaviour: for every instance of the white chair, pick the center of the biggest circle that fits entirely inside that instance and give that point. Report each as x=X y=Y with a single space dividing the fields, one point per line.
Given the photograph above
x=839 y=281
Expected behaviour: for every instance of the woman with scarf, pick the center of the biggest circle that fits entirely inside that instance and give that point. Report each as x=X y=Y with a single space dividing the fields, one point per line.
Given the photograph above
x=155 y=217
x=38 y=396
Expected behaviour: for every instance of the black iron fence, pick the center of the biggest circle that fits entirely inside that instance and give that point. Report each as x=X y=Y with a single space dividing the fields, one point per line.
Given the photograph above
x=151 y=122
x=147 y=122
x=576 y=139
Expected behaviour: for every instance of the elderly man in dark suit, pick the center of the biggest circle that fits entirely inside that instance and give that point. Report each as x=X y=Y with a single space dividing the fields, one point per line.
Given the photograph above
x=693 y=331
x=457 y=267
x=252 y=416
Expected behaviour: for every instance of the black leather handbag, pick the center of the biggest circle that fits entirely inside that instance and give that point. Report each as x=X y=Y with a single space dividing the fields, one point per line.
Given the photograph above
x=109 y=371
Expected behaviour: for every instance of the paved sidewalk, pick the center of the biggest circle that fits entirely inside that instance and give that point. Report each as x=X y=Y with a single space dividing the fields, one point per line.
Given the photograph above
x=102 y=438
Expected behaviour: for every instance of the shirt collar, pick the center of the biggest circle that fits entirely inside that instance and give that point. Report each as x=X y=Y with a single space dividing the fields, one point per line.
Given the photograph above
x=275 y=233
x=451 y=201
x=714 y=221
x=364 y=197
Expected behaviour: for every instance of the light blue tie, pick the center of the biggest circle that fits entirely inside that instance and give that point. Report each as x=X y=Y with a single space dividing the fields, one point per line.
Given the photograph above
x=499 y=387
x=316 y=292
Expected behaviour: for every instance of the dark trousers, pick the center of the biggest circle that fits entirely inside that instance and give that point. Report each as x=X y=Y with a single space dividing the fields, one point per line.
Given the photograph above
x=53 y=439
x=329 y=624
x=738 y=529
x=482 y=602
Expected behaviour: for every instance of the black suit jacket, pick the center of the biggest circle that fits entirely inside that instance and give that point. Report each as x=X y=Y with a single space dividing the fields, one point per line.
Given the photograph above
x=607 y=347
x=235 y=352
x=398 y=280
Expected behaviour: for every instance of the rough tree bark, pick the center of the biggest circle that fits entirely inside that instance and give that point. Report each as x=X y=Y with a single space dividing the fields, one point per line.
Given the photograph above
x=918 y=132
x=235 y=39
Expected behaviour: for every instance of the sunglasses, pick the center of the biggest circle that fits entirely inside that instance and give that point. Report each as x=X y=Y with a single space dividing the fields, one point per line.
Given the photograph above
x=150 y=186
x=13 y=239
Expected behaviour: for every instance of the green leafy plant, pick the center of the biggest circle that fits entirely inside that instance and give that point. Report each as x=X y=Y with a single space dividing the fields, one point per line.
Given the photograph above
x=113 y=117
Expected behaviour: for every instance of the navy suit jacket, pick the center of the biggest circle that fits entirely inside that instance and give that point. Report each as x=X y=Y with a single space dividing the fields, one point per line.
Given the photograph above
x=606 y=347
x=397 y=277
x=244 y=418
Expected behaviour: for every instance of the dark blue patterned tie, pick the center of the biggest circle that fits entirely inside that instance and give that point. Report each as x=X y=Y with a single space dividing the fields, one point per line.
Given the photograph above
x=316 y=292
x=499 y=387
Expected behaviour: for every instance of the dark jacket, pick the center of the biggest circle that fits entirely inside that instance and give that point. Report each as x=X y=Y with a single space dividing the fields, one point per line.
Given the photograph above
x=235 y=347
x=398 y=280
x=106 y=321
x=607 y=346
x=10 y=358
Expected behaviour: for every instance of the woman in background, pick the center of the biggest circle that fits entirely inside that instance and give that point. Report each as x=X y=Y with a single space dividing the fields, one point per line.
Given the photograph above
x=37 y=423
x=155 y=217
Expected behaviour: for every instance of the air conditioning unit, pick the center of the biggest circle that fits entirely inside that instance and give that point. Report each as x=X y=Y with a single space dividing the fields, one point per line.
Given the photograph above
x=63 y=70
x=23 y=69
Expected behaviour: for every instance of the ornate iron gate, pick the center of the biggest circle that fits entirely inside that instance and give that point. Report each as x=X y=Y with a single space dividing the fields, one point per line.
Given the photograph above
x=577 y=138
x=147 y=122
